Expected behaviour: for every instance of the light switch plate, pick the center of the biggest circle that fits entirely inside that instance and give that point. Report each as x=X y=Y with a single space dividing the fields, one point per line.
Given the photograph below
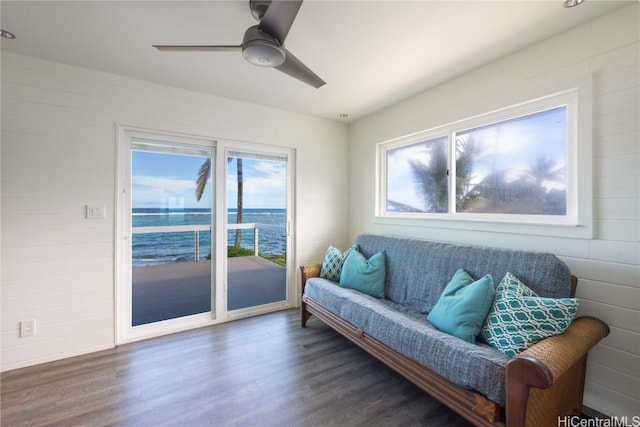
x=95 y=211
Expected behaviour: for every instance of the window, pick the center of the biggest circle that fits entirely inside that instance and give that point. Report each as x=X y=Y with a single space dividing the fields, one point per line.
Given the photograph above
x=417 y=179
x=515 y=165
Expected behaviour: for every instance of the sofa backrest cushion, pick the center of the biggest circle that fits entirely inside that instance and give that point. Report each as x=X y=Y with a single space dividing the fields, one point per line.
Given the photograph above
x=417 y=271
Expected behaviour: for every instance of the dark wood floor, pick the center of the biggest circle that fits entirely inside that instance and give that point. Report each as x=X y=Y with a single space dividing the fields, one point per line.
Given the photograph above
x=262 y=371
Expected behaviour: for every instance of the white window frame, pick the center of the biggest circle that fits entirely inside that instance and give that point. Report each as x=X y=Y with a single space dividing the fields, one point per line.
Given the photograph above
x=578 y=220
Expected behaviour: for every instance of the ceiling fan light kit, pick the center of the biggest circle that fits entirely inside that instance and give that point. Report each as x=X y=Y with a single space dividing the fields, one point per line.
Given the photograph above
x=572 y=3
x=262 y=49
x=7 y=34
x=263 y=44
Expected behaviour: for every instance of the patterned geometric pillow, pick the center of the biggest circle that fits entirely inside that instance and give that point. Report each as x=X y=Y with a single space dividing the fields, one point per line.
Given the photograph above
x=333 y=261
x=520 y=318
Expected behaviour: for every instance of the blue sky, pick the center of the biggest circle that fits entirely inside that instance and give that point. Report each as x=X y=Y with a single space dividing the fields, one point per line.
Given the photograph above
x=512 y=146
x=161 y=180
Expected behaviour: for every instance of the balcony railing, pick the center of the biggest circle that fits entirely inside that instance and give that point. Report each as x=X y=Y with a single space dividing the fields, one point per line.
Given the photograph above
x=196 y=229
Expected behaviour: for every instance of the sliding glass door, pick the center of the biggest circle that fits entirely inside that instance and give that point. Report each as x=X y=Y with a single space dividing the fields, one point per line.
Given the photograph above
x=257 y=236
x=204 y=232
x=171 y=232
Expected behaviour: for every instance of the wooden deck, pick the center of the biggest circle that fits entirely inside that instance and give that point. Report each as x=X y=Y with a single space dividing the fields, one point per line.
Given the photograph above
x=169 y=291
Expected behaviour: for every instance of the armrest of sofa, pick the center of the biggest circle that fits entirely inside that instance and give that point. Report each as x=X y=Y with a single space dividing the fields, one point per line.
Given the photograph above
x=547 y=380
x=308 y=271
x=560 y=352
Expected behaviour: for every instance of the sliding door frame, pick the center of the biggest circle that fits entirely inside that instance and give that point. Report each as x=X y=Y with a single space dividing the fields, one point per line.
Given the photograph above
x=123 y=270
x=124 y=332
x=291 y=279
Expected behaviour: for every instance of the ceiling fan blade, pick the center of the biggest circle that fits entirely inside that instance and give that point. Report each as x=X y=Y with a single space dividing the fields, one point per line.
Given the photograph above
x=278 y=18
x=296 y=69
x=188 y=48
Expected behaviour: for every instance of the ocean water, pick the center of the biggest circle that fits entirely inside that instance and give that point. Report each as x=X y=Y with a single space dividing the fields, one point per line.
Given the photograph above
x=166 y=248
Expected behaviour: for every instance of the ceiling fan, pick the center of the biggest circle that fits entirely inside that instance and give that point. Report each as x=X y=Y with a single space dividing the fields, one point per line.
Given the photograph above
x=263 y=44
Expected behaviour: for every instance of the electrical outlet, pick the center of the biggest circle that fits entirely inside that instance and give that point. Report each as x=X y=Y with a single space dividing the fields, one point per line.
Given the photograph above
x=28 y=328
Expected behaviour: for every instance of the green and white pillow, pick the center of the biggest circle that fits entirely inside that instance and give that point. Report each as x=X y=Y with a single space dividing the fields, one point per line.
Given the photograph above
x=333 y=262
x=520 y=318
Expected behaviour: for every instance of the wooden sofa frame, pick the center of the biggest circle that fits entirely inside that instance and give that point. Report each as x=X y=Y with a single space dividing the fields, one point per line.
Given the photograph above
x=543 y=383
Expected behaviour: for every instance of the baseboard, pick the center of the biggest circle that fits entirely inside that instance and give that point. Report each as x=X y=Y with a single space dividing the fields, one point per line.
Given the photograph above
x=592 y=413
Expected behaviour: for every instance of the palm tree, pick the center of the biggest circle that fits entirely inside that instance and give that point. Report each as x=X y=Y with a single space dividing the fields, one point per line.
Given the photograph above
x=203 y=178
x=466 y=150
x=201 y=183
x=240 y=200
x=431 y=178
x=544 y=169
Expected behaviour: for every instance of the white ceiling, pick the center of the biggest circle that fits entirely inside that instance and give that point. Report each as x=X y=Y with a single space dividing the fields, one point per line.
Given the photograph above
x=370 y=53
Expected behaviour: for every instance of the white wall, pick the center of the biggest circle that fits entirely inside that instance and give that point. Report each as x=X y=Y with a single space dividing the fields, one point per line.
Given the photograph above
x=59 y=154
x=608 y=265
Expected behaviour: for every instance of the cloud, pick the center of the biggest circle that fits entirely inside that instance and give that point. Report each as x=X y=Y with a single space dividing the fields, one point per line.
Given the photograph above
x=165 y=191
x=265 y=184
x=271 y=168
x=167 y=184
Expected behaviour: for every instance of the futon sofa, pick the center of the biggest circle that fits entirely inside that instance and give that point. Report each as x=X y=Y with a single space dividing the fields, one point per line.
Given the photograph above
x=481 y=383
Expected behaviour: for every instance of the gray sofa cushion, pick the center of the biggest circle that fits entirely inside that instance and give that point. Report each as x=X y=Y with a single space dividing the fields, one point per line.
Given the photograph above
x=474 y=366
x=419 y=270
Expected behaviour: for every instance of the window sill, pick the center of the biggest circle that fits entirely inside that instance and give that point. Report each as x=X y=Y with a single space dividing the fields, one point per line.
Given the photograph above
x=447 y=221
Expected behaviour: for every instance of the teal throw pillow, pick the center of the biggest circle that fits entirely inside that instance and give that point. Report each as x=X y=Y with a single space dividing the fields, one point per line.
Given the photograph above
x=364 y=275
x=520 y=318
x=333 y=261
x=463 y=306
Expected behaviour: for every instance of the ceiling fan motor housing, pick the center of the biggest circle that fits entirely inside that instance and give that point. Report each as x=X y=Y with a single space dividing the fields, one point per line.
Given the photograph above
x=262 y=49
x=258 y=8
